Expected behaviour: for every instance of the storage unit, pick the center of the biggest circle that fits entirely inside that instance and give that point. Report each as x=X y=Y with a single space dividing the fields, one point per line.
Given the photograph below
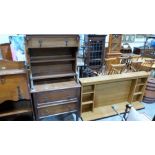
x=14 y=89
x=94 y=51
x=52 y=69
x=98 y=94
x=114 y=49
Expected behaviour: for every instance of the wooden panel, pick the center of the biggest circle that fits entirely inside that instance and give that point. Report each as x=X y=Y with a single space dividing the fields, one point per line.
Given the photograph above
x=10 y=84
x=46 y=53
x=112 y=93
x=6 y=51
x=110 y=78
x=5 y=64
x=45 y=41
x=56 y=95
x=12 y=71
x=87 y=97
x=55 y=86
x=89 y=88
x=50 y=69
x=51 y=110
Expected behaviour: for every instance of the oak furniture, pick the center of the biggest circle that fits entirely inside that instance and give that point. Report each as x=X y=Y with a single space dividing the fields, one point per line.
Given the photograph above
x=114 y=49
x=52 y=70
x=98 y=94
x=14 y=89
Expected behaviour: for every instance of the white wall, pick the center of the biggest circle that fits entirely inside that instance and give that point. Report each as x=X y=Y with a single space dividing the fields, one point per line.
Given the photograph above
x=4 y=39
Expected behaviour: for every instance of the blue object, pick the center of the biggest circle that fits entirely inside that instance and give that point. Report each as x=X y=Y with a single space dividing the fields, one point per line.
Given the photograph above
x=152 y=43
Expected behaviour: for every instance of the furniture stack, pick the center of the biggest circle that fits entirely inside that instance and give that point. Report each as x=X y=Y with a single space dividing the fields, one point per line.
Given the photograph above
x=51 y=61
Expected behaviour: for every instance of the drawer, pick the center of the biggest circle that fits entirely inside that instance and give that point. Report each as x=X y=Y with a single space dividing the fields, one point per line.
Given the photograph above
x=52 y=41
x=57 y=95
x=51 y=110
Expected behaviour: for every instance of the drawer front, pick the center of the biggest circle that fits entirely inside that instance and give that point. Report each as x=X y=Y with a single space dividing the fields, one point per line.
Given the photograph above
x=51 y=110
x=57 y=95
x=47 y=42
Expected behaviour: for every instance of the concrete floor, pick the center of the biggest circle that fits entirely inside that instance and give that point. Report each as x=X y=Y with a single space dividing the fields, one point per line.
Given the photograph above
x=149 y=110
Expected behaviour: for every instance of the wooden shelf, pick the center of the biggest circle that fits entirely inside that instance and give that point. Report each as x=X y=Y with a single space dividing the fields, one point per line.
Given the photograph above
x=55 y=86
x=14 y=112
x=137 y=93
x=87 y=102
x=53 y=76
x=50 y=57
x=53 y=60
x=106 y=111
x=91 y=92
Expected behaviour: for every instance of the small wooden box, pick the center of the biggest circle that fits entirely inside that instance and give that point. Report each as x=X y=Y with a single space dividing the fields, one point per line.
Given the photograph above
x=52 y=71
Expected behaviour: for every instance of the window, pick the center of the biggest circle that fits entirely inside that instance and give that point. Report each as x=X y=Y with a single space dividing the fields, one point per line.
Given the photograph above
x=129 y=38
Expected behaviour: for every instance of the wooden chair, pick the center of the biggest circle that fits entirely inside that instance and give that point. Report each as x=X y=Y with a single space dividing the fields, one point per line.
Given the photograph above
x=109 y=62
x=147 y=65
x=135 y=66
x=117 y=68
x=135 y=57
x=134 y=63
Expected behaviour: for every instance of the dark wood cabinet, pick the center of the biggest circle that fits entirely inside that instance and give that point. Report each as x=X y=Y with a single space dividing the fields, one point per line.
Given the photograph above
x=94 y=51
x=52 y=70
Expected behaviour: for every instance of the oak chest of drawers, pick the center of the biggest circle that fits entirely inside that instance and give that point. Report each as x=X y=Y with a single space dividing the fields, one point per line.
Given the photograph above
x=51 y=61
